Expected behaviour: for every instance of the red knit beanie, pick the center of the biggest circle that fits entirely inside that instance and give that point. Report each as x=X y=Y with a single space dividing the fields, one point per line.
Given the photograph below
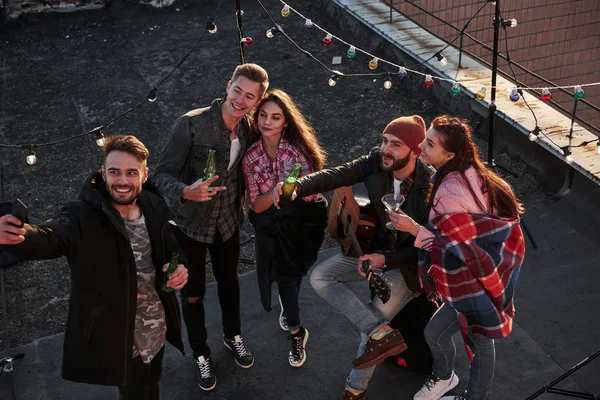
x=411 y=130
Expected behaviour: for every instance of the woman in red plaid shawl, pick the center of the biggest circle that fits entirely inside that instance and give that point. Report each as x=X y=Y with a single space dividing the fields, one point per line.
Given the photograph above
x=472 y=250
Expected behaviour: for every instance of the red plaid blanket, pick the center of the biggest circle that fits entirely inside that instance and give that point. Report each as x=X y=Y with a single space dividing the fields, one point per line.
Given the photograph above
x=474 y=265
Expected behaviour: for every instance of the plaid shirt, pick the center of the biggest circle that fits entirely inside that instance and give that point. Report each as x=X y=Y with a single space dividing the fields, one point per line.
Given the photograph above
x=406 y=184
x=262 y=174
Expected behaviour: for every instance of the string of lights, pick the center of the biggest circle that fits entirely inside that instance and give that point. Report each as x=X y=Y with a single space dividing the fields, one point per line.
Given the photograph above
x=98 y=132
x=516 y=92
x=402 y=71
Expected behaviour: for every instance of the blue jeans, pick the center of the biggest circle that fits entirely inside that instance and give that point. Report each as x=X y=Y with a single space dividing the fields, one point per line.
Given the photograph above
x=329 y=280
x=438 y=334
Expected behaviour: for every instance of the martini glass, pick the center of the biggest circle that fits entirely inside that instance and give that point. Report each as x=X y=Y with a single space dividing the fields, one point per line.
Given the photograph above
x=392 y=202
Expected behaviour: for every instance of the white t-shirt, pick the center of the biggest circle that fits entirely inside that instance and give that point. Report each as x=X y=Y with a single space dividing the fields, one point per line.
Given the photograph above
x=397 y=184
x=234 y=150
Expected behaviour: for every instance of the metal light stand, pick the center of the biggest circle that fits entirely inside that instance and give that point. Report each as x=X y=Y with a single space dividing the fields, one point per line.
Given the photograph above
x=492 y=108
x=569 y=393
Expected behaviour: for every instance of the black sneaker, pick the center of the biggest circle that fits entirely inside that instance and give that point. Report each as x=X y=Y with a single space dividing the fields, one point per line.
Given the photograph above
x=242 y=355
x=297 y=355
x=206 y=380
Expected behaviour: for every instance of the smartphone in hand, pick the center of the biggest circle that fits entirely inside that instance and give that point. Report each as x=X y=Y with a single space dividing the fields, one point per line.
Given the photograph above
x=20 y=211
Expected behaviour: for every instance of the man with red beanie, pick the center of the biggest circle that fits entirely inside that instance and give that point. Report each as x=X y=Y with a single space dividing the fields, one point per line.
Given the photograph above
x=394 y=167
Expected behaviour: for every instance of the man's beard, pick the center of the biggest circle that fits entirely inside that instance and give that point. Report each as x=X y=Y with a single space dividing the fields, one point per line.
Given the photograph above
x=133 y=196
x=397 y=164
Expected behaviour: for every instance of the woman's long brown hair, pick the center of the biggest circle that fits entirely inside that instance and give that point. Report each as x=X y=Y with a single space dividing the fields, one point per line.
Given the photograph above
x=298 y=133
x=456 y=137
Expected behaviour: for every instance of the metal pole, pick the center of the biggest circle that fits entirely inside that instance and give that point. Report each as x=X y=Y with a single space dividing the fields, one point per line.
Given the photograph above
x=238 y=14
x=492 y=107
x=565 y=375
x=460 y=51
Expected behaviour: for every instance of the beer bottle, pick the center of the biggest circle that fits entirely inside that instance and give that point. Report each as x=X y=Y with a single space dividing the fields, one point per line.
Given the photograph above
x=170 y=269
x=289 y=185
x=211 y=166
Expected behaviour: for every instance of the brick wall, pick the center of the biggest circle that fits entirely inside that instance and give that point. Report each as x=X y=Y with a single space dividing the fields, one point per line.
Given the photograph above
x=557 y=39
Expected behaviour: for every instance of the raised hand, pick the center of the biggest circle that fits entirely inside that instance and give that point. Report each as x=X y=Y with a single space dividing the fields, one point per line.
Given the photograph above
x=200 y=191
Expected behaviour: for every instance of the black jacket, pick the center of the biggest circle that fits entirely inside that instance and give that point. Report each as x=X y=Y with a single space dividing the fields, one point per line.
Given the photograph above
x=287 y=242
x=367 y=169
x=90 y=232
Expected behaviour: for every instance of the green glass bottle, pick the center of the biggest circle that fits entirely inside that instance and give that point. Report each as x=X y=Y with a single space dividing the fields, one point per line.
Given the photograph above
x=173 y=262
x=289 y=185
x=211 y=166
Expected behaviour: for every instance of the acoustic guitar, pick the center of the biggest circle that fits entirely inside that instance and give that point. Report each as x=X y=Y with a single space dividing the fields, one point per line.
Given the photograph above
x=352 y=226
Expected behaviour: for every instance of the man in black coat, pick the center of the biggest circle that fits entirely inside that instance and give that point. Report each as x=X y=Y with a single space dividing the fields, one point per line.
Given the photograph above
x=392 y=168
x=118 y=242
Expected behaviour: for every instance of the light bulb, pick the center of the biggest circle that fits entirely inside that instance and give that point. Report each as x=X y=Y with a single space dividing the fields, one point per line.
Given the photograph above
x=533 y=135
x=512 y=23
x=31 y=158
x=443 y=60
x=285 y=11
x=567 y=152
x=327 y=39
x=271 y=32
x=247 y=40
x=455 y=89
x=429 y=81
x=546 y=95
x=374 y=63
x=152 y=95
x=579 y=93
x=211 y=27
x=333 y=80
x=387 y=83
x=480 y=95
x=351 y=53
x=514 y=95
x=401 y=72
x=100 y=139
x=241 y=13
x=308 y=24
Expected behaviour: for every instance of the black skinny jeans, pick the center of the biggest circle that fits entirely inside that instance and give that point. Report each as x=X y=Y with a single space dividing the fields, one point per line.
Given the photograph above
x=224 y=256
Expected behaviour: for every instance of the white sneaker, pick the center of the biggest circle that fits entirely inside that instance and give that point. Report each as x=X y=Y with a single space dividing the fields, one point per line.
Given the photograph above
x=434 y=387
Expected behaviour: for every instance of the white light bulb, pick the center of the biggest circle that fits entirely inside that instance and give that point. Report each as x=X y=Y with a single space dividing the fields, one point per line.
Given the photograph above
x=387 y=83
x=569 y=158
x=332 y=81
x=31 y=158
x=532 y=137
x=101 y=140
x=270 y=33
x=212 y=29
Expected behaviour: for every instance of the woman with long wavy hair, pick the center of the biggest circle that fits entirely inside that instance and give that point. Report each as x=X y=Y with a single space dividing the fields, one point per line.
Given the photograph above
x=287 y=238
x=472 y=251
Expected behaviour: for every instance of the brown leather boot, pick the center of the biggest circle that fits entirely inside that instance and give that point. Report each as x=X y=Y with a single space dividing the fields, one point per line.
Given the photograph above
x=349 y=396
x=378 y=350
